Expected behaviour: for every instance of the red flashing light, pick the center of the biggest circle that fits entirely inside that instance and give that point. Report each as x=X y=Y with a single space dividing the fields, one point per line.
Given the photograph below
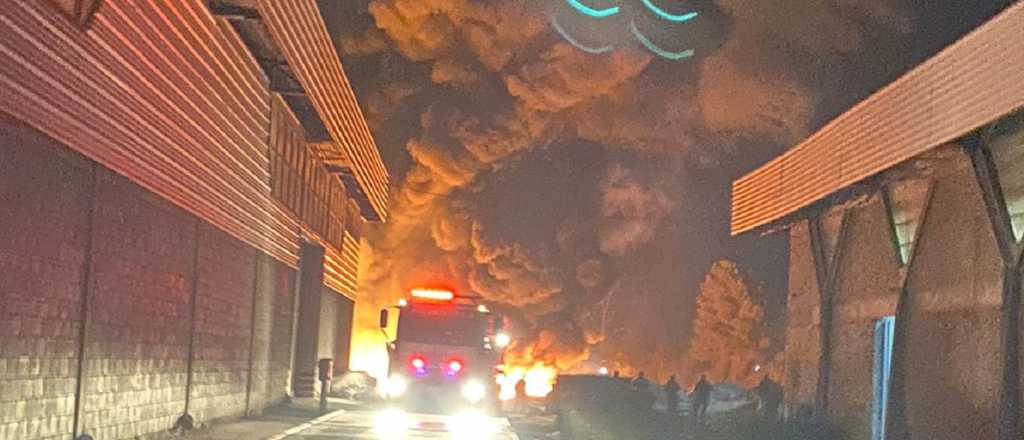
x=454 y=366
x=433 y=294
x=418 y=363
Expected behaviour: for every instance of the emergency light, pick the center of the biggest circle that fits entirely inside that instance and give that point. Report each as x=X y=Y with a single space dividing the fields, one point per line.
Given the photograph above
x=433 y=294
x=418 y=363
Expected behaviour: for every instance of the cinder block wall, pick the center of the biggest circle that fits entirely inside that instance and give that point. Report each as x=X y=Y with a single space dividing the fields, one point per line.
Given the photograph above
x=223 y=325
x=136 y=345
x=42 y=254
x=153 y=273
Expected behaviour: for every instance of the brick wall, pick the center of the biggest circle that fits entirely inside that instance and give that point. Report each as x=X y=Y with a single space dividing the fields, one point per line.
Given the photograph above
x=146 y=268
x=42 y=255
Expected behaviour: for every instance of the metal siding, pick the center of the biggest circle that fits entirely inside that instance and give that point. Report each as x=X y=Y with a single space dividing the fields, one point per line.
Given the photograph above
x=341 y=268
x=157 y=91
x=967 y=85
x=300 y=32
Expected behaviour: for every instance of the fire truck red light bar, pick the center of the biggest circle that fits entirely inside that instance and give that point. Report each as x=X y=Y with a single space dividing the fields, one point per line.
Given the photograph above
x=439 y=295
x=418 y=363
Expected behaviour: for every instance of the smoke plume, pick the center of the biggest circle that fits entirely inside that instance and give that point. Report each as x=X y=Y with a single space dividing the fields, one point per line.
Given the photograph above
x=489 y=83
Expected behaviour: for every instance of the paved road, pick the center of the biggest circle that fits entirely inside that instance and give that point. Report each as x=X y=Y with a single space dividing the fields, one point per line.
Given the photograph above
x=370 y=424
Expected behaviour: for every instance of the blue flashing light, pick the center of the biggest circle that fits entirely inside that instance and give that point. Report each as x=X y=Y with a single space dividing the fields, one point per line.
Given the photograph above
x=571 y=40
x=596 y=13
x=657 y=50
x=670 y=17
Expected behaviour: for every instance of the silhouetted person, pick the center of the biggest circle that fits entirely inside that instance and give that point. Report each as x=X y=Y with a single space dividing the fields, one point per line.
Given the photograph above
x=769 y=395
x=643 y=385
x=700 y=397
x=615 y=375
x=672 y=395
x=521 y=396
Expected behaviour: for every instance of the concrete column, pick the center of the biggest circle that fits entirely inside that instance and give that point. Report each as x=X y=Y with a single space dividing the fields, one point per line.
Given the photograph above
x=257 y=389
x=310 y=291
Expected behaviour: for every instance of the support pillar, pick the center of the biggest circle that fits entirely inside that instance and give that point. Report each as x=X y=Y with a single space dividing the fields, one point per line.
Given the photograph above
x=1010 y=252
x=825 y=271
x=310 y=292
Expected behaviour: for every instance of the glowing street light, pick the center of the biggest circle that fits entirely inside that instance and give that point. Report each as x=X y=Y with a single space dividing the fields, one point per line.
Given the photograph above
x=502 y=339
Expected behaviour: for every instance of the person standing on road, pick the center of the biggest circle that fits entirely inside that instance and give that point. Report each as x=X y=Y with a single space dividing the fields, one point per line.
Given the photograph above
x=700 y=397
x=769 y=395
x=520 y=406
x=643 y=385
x=672 y=395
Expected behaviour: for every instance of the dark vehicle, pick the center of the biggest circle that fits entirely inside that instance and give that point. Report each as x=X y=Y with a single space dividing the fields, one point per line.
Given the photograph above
x=445 y=354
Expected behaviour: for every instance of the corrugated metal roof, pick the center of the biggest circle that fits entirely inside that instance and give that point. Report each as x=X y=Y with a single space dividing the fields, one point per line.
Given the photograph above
x=969 y=84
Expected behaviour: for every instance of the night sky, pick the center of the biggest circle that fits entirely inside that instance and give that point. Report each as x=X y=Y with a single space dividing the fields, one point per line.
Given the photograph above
x=555 y=181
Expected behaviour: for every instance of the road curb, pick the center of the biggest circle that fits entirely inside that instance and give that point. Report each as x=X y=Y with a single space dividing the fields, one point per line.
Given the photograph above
x=299 y=428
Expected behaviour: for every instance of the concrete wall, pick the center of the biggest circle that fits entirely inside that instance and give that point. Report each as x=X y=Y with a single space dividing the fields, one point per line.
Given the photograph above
x=955 y=290
x=954 y=285
x=866 y=288
x=156 y=280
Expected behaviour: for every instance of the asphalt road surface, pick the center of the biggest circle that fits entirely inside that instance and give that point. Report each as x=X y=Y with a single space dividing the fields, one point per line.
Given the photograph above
x=373 y=424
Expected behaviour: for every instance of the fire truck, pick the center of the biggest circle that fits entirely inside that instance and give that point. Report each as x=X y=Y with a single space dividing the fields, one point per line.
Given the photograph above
x=445 y=353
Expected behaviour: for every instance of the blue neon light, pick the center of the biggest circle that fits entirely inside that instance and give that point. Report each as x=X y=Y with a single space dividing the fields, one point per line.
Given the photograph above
x=596 y=13
x=571 y=40
x=666 y=15
x=661 y=52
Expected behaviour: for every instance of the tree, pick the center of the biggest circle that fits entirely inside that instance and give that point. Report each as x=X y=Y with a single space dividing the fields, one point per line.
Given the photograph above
x=727 y=337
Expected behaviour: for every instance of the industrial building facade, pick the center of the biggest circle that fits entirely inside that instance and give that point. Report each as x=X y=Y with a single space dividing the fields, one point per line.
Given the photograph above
x=905 y=217
x=182 y=189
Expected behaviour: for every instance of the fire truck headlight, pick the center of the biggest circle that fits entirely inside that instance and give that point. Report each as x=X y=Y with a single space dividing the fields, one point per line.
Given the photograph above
x=502 y=340
x=395 y=386
x=474 y=391
x=391 y=423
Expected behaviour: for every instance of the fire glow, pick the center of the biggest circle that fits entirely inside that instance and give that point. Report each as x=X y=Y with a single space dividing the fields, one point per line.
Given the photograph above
x=539 y=378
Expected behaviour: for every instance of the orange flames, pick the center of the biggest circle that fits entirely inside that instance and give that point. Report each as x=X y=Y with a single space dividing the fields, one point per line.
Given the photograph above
x=539 y=378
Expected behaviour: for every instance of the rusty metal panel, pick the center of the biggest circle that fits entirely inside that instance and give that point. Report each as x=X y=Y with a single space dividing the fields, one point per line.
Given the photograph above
x=967 y=85
x=299 y=30
x=158 y=91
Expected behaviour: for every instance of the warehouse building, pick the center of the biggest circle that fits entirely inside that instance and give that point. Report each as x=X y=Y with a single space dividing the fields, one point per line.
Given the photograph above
x=182 y=189
x=905 y=217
